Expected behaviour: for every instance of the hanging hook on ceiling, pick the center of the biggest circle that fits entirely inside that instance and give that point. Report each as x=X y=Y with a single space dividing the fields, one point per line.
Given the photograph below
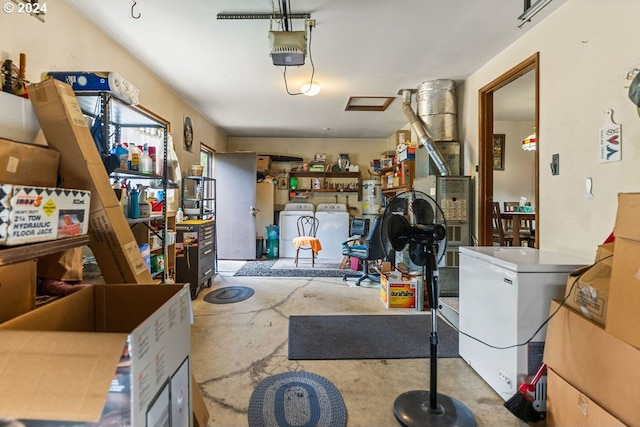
x=132 y=14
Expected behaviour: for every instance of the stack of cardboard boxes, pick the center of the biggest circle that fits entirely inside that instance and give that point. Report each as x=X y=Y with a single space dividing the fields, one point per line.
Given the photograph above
x=118 y=353
x=22 y=164
x=593 y=341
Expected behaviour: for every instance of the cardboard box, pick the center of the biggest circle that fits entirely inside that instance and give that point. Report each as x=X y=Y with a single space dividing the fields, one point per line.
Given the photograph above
x=406 y=152
x=66 y=266
x=605 y=251
x=116 y=249
x=66 y=130
x=17 y=289
x=18 y=121
x=624 y=294
x=568 y=406
x=402 y=136
x=26 y=164
x=588 y=290
x=398 y=292
x=595 y=362
x=263 y=163
x=115 y=353
x=200 y=410
x=38 y=214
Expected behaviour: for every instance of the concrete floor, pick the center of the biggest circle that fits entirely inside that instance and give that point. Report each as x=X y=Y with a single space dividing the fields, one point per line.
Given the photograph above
x=235 y=346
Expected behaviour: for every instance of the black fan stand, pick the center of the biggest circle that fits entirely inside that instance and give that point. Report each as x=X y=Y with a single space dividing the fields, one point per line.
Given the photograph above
x=424 y=407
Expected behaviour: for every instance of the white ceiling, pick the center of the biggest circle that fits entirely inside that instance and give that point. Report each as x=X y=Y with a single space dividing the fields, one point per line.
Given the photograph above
x=359 y=48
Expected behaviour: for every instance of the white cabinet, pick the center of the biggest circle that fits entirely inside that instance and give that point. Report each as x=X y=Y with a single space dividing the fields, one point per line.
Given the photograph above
x=265 y=202
x=505 y=294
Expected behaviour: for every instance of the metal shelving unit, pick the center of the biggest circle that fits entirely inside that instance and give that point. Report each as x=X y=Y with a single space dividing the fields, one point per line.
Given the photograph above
x=205 y=203
x=119 y=115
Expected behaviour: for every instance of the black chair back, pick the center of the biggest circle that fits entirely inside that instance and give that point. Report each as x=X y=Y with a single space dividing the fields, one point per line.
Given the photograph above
x=308 y=226
x=374 y=240
x=358 y=227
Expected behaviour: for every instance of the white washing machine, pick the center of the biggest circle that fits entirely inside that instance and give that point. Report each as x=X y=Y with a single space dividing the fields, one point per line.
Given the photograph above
x=333 y=230
x=288 y=225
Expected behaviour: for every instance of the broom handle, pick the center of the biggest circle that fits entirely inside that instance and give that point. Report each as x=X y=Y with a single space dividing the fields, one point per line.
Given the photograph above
x=539 y=374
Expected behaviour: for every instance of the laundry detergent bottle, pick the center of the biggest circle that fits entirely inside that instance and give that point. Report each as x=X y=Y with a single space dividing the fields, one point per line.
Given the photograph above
x=134 y=200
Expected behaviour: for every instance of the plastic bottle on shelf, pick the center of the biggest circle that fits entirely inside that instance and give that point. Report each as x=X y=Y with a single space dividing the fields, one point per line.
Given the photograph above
x=122 y=152
x=179 y=215
x=146 y=164
x=144 y=207
x=152 y=154
x=134 y=207
x=134 y=158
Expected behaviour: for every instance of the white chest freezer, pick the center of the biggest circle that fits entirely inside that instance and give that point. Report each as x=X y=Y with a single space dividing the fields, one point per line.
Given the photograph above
x=505 y=294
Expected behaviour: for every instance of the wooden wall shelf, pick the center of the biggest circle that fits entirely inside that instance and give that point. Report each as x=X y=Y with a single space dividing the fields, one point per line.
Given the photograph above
x=9 y=255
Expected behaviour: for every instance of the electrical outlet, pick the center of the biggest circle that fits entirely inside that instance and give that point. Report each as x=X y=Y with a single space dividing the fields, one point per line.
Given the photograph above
x=311 y=23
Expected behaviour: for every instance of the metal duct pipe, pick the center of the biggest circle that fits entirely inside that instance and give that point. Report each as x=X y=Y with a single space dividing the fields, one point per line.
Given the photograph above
x=423 y=137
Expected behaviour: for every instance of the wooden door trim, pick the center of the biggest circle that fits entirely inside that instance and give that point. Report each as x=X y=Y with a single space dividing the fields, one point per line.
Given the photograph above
x=485 y=146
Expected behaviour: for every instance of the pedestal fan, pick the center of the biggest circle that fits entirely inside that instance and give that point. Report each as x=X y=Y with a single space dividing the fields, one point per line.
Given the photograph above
x=413 y=219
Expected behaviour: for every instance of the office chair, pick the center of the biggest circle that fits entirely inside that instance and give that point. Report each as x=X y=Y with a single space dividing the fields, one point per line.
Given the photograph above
x=368 y=250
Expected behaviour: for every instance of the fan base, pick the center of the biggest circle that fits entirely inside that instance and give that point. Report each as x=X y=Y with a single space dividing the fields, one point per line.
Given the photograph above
x=412 y=409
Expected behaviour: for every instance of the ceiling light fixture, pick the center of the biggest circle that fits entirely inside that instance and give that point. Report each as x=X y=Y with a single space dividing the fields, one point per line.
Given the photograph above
x=530 y=10
x=310 y=89
x=530 y=142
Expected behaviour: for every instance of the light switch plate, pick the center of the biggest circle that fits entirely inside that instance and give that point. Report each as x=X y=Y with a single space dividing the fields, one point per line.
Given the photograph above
x=555 y=164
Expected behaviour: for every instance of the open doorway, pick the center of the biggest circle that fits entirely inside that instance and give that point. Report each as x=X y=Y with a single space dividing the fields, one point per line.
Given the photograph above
x=486 y=147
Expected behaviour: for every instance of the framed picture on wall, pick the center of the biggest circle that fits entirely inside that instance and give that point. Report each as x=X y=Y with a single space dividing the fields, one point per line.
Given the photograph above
x=282 y=183
x=498 y=151
x=188 y=134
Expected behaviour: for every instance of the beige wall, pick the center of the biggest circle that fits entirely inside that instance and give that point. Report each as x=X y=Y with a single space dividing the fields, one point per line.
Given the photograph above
x=586 y=47
x=360 y=151
x=68 y=42
x=517 y=178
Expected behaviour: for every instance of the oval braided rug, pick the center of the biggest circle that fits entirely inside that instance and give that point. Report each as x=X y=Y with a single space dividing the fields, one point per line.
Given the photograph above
x=300 y=399
x=229 y=294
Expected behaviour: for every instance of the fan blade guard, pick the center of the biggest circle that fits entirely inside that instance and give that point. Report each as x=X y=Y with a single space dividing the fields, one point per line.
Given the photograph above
x=399 y=232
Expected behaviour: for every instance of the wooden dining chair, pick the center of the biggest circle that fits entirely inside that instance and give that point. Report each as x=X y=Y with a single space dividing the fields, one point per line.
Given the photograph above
x=500 y=235
x=307 y=240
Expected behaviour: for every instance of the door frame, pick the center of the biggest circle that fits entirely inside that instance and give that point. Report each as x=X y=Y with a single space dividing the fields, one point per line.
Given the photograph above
x=485 y=146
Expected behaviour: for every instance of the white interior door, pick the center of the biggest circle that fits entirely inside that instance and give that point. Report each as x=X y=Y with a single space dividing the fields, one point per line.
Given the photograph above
x=235 y=175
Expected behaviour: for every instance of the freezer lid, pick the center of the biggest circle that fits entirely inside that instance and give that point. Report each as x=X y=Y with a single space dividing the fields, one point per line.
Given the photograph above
x=524 y=259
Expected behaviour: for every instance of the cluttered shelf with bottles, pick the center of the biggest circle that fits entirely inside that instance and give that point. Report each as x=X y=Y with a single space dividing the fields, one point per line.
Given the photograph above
x=133 y=143
x=324 y=182
x=397 y=177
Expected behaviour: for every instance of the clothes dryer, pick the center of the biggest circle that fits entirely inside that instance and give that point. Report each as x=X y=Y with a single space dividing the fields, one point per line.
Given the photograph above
x=288 y=224
x=333 y=230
